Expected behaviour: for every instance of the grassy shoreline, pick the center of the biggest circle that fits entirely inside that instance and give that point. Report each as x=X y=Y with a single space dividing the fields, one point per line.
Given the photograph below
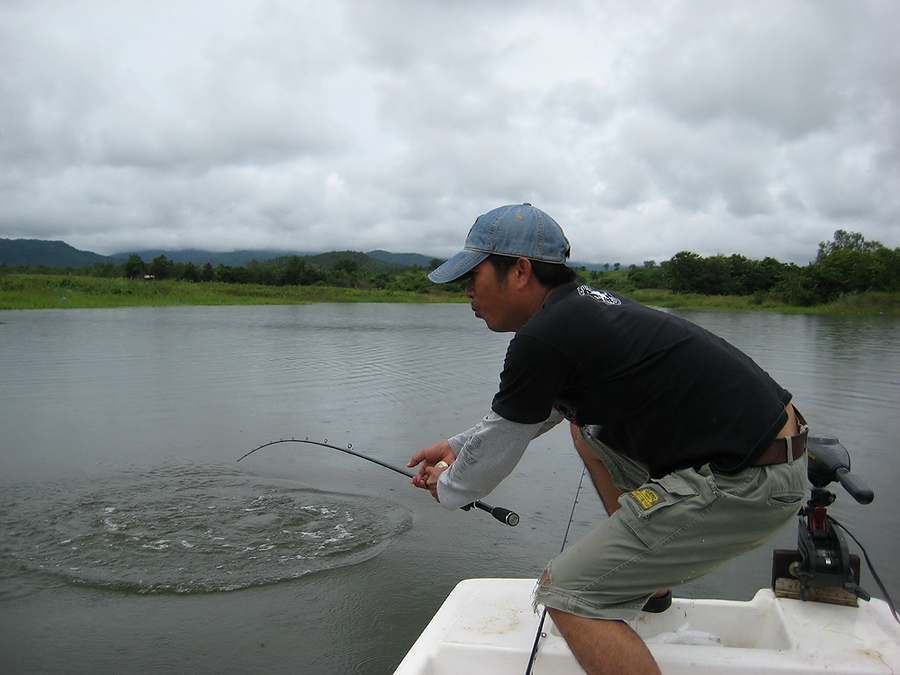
x=37 y=291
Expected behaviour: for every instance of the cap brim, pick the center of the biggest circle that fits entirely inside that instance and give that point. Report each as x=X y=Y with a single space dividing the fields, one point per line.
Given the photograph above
x=459 y=265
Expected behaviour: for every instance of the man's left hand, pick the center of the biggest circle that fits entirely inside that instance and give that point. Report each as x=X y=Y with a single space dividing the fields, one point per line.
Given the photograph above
x=434 y=460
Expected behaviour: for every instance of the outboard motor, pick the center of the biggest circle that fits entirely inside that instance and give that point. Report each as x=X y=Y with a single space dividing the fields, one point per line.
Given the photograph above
x=822 y=569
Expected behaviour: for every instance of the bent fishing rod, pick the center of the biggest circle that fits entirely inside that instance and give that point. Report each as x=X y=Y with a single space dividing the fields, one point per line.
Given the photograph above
x=506 y=516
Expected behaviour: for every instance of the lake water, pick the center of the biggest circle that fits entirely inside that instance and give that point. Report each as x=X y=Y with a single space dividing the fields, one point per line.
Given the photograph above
x=131 y=539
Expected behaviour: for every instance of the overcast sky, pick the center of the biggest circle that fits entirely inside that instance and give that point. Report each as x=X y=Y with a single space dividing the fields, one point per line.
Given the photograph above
x=644 y=128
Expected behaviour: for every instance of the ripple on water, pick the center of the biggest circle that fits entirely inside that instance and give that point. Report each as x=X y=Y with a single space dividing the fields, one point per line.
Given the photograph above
x=189 y=530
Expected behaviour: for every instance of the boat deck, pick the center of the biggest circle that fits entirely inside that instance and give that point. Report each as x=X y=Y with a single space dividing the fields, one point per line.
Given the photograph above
x=487 y=626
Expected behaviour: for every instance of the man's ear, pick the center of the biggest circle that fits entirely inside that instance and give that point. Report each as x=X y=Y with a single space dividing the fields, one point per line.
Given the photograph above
x=521 y=272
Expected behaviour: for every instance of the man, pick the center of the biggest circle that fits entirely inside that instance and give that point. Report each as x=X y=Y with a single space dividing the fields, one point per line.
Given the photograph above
x=697 y=454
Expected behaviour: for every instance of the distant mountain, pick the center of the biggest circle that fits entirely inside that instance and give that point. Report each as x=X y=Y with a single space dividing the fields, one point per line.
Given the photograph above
x=402 y=259
x=241 y=258
x=34 y=252
x=215 y=258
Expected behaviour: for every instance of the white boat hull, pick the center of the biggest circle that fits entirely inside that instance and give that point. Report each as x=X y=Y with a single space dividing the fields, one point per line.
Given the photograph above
x=488 y=626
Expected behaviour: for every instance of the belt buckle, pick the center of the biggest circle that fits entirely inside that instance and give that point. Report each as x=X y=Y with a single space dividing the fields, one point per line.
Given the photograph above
x=801 y=437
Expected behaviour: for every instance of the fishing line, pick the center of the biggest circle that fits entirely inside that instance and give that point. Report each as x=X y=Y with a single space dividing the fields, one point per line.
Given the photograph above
x=540 y=630
x=503 y=515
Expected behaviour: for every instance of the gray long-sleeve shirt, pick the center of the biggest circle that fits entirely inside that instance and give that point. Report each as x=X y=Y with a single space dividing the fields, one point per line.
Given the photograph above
x=485 y=455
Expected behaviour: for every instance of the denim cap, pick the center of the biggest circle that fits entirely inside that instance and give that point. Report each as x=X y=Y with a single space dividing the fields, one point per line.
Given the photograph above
x=516 y=230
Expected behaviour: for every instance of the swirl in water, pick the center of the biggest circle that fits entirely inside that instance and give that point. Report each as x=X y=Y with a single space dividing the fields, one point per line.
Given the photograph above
x=189 y=530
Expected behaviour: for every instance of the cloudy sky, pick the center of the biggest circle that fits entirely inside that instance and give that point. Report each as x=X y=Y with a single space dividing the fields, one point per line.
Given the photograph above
x=645 y=128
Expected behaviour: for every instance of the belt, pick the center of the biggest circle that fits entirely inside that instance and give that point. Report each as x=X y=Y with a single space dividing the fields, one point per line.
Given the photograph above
x=777 y=453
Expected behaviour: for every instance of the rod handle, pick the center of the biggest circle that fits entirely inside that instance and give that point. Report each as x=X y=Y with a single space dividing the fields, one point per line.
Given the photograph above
x=505 y=516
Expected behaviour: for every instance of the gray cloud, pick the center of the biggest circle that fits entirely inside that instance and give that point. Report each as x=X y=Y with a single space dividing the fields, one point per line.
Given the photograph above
x=645 y=129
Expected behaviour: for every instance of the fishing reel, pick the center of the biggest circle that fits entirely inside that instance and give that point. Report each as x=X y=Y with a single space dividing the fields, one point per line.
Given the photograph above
x=822 y=569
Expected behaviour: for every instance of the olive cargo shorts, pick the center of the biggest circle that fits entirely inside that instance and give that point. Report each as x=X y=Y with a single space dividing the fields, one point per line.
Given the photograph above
x=667 y=532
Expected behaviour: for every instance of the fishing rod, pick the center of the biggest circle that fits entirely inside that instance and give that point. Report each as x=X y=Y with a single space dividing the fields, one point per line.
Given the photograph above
x=506 y=516
x=540 y=631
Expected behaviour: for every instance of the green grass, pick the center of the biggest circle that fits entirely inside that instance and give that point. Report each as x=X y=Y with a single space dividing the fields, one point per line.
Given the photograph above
x=663 y=298
x=40 y=291
x=856 y=304
x=864 y=304
x=35 y=291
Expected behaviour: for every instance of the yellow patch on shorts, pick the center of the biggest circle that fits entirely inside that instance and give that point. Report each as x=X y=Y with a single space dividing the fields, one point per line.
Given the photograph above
x=646 y=498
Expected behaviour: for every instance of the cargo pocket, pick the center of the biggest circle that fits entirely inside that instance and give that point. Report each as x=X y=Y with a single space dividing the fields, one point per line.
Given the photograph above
x=790 y=499
x=648 y=510
x=788 y=484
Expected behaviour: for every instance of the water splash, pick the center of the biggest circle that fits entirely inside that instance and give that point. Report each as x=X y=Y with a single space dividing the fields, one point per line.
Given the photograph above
x=189 y=530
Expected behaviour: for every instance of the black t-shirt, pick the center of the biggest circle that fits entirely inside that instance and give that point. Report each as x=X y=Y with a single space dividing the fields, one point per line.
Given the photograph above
x=664 y=390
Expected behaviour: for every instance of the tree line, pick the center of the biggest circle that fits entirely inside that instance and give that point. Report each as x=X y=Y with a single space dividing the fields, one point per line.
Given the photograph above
x=345 y=272
x=847 y=264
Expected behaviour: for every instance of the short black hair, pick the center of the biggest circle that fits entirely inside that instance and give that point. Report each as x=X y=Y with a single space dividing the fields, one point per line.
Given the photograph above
x=550 y=275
